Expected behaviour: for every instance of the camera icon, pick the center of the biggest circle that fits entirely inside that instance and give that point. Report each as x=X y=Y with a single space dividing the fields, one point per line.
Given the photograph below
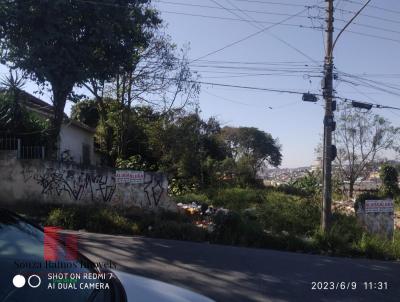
x=33 y=281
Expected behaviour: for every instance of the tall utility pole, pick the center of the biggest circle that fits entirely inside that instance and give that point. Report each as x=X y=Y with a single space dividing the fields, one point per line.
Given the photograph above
x=329 y=123
x=330 y=105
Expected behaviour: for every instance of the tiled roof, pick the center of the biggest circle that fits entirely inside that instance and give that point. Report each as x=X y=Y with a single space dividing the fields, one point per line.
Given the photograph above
x=35 y=104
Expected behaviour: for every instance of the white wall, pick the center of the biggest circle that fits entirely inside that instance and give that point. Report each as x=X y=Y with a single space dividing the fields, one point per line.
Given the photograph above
x=54 y=182
x=72 y=138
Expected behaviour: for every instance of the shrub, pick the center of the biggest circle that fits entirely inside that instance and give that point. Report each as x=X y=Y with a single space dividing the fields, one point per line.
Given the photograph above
x=291 y=190
x=191 y=197
x=389 y=177
x=172 y=216
x=227 y=227
x=237 y=198
x=237 y=229
x=178 y=231
x=68 y=218
x=310 y=184
x=284 y=213
x=377 y=248
x=109 y=221
x=95 y=219
x=342 y=238
x=360 y=200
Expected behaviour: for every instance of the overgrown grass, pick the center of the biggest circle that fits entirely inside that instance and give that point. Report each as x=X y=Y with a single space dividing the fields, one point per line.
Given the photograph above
x=257 y=218
x=94 y=219
x=192 y=197
x=286 y=213
x=236 y=198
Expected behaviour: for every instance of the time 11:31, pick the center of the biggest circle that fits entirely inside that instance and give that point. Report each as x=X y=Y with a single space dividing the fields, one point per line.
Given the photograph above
x=376 y=285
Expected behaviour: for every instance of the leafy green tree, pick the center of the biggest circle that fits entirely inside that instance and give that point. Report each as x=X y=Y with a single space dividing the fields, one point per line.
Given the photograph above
x=15 y=119
x=86 y=112
x=311 y=183
x=252 y=147
x=389 y=177
x=66 y=43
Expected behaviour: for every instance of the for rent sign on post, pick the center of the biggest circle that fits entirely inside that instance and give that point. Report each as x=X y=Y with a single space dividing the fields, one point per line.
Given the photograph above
x=378 y=217
x=379 y=206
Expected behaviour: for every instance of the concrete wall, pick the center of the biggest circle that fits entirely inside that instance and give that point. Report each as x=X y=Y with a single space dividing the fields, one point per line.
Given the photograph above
x=38 y=180
x=72 y=138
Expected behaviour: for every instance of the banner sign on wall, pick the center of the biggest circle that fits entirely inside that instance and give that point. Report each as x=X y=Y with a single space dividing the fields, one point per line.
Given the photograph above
x=129 y=176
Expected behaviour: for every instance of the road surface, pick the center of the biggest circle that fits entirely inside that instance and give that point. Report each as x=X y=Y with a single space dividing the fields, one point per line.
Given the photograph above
x=233 y=274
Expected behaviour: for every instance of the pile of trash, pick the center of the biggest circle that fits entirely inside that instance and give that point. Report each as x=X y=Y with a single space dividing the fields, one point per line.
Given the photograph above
x=344 y=206
x=202 y=213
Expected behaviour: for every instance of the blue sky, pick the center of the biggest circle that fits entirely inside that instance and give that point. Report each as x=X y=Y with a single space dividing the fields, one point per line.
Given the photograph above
x=296 y=124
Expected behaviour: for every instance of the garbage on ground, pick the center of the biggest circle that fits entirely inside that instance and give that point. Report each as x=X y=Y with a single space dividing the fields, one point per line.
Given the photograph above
x=202 y=214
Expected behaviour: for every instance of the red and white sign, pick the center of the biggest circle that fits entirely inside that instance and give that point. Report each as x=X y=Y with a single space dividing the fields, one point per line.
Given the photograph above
x=129 y=176
x=379 y=206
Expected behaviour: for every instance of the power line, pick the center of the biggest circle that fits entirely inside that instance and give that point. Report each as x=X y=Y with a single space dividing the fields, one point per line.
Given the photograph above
x=228 y=100
x=273 y=63
x=248 y=36
x=254 y=68
x=285 y=14
x=275 y=24
x=277 y=37
x=272 y=3
x=368 y=16
x=256 y=75
x=220 y=8
x=235 y=19
x=288 y=91
x=373 y=36
x=375 y=7
x=371 y=26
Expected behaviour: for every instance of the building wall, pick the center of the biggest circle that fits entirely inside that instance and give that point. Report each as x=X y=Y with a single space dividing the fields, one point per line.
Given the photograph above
x=45 y=181
x=72 y=138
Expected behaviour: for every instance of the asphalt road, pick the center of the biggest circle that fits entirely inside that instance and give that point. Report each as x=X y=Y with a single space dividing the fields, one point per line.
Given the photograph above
x=239 y=274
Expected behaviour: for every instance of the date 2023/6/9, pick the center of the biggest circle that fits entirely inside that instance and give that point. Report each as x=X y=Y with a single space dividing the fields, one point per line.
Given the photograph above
x=346 y=285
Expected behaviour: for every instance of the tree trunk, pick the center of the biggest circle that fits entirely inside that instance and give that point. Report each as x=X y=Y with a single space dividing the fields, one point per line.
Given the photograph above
x=351 y=188
x=60 y=94
x=108 y=131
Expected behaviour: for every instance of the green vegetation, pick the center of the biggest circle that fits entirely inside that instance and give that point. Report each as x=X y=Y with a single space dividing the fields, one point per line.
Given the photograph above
x=198 y=155
x=80 y=43
x=262 y=218
x=389 y=176
x=15 y=119
x=94 y=219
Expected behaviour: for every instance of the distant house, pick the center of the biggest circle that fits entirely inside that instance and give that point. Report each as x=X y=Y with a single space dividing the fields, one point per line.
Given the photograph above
x=76 y=141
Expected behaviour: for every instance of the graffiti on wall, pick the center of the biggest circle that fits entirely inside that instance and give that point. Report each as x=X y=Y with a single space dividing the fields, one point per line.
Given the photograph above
x=155 y=186
x=66 y=183
x=78 y=185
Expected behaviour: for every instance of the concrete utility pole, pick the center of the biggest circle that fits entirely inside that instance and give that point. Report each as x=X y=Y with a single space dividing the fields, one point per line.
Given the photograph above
x=329 y=123
x=330 y=105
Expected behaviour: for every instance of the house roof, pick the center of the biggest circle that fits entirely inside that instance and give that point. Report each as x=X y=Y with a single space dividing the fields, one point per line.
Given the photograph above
x=37 y=105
